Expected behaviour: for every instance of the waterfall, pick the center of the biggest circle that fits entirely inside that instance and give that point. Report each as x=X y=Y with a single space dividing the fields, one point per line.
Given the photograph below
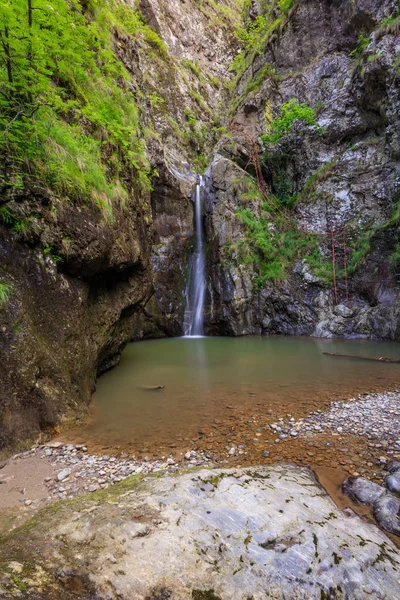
x=195 y=293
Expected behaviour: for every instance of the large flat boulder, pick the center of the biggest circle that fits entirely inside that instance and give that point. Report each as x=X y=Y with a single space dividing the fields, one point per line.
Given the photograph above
x=264 y=532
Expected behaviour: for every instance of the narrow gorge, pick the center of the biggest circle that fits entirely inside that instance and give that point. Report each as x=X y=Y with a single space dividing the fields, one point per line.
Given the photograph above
x=200 y=284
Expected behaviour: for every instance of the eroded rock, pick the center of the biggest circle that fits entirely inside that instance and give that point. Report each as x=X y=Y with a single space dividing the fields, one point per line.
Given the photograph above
x=225 y=533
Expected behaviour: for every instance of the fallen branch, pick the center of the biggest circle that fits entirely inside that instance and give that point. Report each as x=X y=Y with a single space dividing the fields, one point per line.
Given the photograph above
x=380 y=359
x=152 y=387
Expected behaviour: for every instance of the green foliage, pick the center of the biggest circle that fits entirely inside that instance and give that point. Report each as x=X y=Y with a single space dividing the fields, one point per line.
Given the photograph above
x=156 y=101
x=250 y=35
x=192 y=66
x=67 y=116
x=54 y=256
x=132 y=22
x=395 y=256
x=362 y=44
x=268 y=71
x=16 y=224
x=389 y=25
x=6 y=291
x=215 y=82
x=196 y=96
x=257 y=34
x=286 y=6
x=272 y=242
x=292 y=114
x=363 y=246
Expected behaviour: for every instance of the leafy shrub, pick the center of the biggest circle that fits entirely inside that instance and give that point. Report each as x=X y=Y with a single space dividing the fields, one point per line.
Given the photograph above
x=292 y=113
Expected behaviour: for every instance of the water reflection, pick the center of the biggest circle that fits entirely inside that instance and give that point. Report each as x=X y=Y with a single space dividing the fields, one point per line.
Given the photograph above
x=204 y=376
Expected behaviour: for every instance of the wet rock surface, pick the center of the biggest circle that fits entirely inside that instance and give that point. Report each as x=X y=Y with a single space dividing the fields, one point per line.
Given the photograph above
x=385 y=504
x=231 y=534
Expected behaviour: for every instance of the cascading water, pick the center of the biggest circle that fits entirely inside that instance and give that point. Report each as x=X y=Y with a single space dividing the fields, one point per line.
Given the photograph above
x=195 y=294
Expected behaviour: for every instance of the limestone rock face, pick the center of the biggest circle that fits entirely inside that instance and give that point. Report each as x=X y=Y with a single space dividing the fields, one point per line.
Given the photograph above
x=346 y=177
x=221 y=534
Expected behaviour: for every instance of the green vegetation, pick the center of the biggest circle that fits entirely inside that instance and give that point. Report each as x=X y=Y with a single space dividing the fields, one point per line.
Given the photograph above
x=389 y=25
x=257 y=34
x=192 y=66
x=268 y=71
x=68 y=118
x=364 y=244
x=292 y=114
x=6 y=291
x=250 y=35
x=362 y=44
x=272 y=242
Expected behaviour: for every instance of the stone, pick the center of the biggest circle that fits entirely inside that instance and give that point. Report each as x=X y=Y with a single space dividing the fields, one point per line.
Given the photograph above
x=266 y=454
x=387 y=512
x=393 y=482
x=271 y=522
x=362 y=490
x=393 y=466
x=55 y=445
x=170 y=461
x=64 y=474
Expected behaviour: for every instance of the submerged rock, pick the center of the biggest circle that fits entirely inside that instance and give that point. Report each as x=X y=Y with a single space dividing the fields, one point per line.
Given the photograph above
x=387 y=513
x=393 y=482
x=362 y=490
x=226 y=534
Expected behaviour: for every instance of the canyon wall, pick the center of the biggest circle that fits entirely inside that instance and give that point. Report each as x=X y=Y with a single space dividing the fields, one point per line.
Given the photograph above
x=341 y=175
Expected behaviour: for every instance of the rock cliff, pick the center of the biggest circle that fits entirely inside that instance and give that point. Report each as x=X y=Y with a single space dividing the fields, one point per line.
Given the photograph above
x=339 y=176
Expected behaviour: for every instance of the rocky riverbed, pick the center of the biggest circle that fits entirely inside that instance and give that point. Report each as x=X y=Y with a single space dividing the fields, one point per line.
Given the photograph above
x=357 y=436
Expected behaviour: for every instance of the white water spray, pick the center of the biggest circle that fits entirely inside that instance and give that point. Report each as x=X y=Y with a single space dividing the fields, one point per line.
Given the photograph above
x=195 y=294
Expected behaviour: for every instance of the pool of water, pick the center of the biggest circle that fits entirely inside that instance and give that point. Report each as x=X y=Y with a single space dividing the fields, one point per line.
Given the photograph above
x=204 y=379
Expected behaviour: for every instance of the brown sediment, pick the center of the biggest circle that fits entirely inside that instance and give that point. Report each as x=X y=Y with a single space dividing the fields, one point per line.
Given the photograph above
x=332 y=481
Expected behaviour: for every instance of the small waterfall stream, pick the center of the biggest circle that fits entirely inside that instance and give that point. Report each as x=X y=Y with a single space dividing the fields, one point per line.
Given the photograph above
x=195 y=293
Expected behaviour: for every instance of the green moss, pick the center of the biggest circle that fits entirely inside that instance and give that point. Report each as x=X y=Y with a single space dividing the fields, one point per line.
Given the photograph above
x=215 y=479
x=192 y=66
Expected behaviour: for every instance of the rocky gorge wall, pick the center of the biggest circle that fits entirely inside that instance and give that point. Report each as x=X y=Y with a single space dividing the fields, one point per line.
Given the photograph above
x=343 y=177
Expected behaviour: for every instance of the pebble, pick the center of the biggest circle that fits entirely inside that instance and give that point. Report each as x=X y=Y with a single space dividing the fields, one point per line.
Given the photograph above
x=64 y=474
x=374 y=417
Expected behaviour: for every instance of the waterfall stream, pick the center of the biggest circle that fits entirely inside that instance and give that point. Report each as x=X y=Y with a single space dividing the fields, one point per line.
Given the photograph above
x=195 y=293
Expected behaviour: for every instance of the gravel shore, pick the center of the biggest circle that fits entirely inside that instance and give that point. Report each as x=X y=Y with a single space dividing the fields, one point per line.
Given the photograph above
x=375 y=417
x=359 y=435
